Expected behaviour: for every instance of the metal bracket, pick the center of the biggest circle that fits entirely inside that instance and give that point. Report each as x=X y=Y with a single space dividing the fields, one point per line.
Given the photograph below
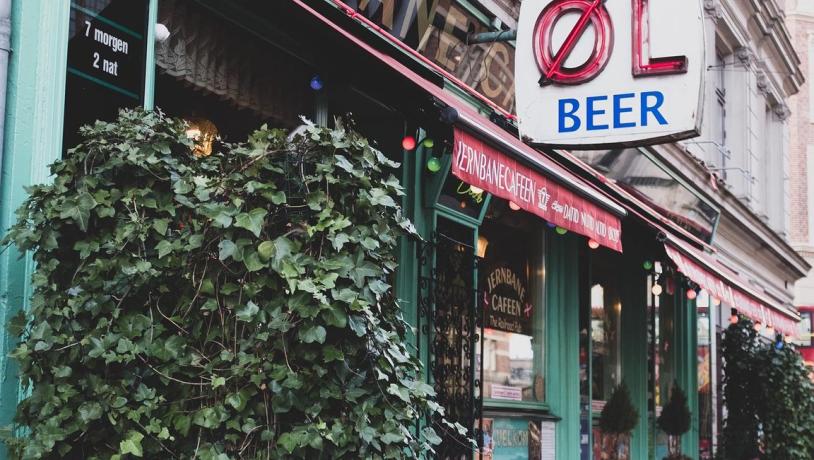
x=491 y=37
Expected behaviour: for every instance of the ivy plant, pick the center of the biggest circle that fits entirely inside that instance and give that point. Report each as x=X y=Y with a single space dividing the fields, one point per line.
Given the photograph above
x=232 y=306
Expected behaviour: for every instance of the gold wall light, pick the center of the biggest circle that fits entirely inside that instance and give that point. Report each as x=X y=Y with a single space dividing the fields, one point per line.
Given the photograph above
x=203 y=133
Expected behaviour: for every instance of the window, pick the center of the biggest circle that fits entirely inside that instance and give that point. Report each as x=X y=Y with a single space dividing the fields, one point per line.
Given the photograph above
x=606 y=311
x=804 y=337
x=511 y=286
x=718 y=120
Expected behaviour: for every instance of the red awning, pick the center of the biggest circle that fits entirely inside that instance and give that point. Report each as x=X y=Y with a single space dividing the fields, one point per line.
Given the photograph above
x=481 y=165
x=728 y=286
x=585 y=198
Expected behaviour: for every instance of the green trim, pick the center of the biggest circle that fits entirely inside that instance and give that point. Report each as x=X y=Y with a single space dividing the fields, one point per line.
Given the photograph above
x=474 y=11
x=149 y=56
x=34 y=122
x=635 y=346
x=525 y=406
x=562 y=341
x=99 y=82
x=107 y=21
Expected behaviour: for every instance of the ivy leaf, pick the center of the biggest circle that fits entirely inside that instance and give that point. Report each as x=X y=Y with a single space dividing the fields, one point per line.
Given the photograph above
x=218 y=382
x=251 y=221
x=161 y=225
x=164 y=247
x=226 y=249
x=266 y=250
x=248 y=311
x=313 y=334
x=132 y=445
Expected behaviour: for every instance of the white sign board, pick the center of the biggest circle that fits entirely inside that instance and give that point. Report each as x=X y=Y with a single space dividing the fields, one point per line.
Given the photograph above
x=600 y=73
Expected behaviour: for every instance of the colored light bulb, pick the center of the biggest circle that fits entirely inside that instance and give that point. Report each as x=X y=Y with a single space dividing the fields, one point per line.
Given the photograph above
x=593 y=244
x=317 y=83
x=408 y=143
x=691 y=294
x=561 y=231
x=514 y=206
x=647 y=265
x=434 y=164
x=428 y=143
x=657 y=289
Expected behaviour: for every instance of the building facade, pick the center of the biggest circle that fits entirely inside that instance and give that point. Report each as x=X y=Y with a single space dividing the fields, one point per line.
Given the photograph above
x=800 y=17
x=530 y=304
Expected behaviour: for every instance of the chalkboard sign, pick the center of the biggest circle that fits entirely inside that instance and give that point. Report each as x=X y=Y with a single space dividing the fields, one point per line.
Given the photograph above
x=106 y=60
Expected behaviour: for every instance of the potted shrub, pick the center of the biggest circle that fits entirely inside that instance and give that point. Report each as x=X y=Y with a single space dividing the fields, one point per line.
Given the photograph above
x=617 y=421
x=675 y=421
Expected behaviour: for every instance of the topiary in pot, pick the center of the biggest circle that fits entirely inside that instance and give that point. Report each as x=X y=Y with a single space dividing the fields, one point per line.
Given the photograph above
x=675 y=421
x=618 y=420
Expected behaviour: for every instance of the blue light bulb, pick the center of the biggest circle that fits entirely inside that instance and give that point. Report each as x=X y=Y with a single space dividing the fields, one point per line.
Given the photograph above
x=317 y=83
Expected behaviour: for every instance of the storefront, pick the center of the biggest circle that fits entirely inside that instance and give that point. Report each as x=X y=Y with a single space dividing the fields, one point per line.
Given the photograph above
x=538 y=287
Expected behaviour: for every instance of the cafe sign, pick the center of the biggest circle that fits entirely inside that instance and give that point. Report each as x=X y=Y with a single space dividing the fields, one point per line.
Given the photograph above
x=480 y=165
x=597 y=73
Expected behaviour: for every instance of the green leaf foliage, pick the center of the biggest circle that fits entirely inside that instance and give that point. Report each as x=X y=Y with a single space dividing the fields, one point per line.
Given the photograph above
x=236 y=306
x=675 y=417
x=619 y=416
x=769 y=398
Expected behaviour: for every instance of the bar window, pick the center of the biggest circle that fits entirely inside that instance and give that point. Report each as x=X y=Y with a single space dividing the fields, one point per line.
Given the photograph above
x=511 y=296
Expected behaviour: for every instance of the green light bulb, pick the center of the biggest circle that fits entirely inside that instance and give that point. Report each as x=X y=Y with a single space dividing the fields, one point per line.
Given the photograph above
x=561 y=231
x=434 y=164
x=428 y=143
x=648 y=265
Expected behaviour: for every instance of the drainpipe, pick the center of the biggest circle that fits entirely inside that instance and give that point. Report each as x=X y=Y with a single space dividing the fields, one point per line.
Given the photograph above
x=5 y=51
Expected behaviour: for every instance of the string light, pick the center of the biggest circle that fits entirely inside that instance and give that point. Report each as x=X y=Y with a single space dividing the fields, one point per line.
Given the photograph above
x=593 y=244
x=514 y=206
x=734 y=319
x=551 y=225
x=428 y=143
x=434 y=164
x=647 y=265
x=657 y=289
x=408 y=143
x=691 y=294
x=316 y=83
x=779 y=342
x=716 y=301
x=758 y=326
x=561 y=231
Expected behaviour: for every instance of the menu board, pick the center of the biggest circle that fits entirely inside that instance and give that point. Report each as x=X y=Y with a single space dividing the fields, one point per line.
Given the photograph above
x=106 y=60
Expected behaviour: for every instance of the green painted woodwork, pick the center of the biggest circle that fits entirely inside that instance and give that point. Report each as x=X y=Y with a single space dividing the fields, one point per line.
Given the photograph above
x=149 y=76
x=562 y=341
x=634 y=345
x=687 y=363
x=34 y=118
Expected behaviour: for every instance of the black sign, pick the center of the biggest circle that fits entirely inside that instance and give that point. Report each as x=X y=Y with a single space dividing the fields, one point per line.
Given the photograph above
x=106 y=60
x=506 y=301
x=107 y=44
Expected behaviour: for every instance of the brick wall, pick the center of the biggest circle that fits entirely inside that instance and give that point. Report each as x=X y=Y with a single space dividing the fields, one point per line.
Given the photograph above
x=801 y=136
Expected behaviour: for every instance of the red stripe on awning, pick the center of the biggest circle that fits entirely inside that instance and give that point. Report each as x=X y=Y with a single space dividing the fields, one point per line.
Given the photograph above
x=727 y=286
x=479 y=164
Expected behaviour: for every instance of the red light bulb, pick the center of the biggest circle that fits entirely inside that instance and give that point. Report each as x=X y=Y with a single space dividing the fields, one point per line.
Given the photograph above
x=408 y=143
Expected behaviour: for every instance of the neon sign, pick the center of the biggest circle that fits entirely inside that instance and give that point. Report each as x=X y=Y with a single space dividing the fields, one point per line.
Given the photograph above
x=601 y=73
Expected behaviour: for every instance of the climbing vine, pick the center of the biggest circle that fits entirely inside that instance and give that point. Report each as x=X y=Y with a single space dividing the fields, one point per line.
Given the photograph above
x=232 y=306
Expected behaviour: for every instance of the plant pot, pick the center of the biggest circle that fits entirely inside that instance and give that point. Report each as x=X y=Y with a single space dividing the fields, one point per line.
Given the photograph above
x=613 y=446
